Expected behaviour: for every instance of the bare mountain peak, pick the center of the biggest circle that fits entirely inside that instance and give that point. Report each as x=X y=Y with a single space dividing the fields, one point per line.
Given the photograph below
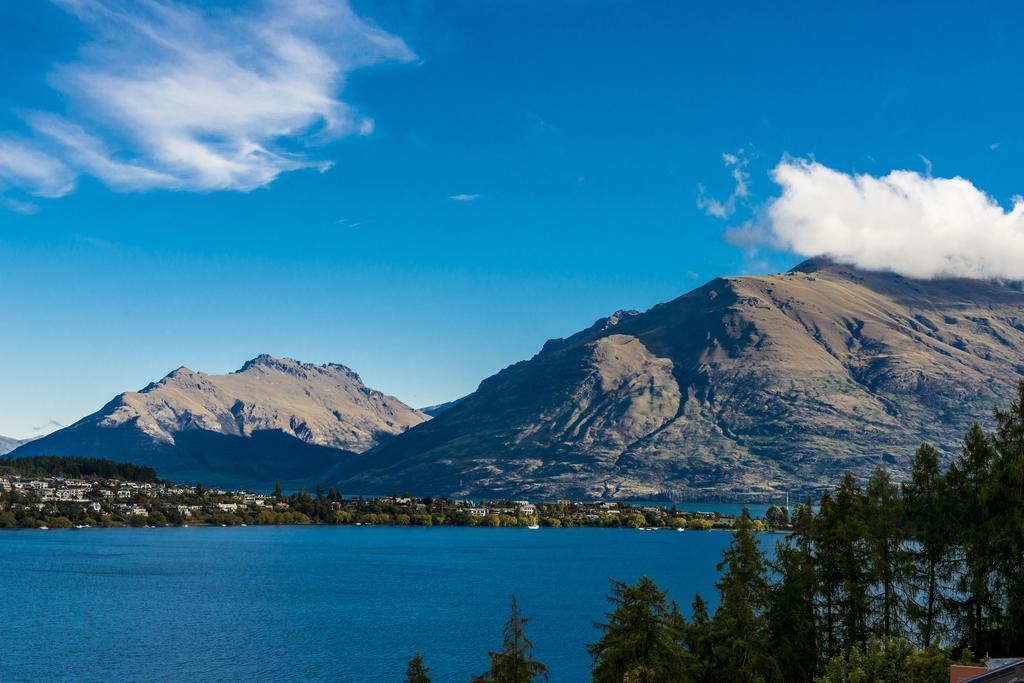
x=752 y=384
x=265 y=362
x=181 y=423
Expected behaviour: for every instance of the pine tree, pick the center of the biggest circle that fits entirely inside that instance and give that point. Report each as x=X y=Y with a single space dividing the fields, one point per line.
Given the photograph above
x=827 y=557
x=416 y=672
x=974 y=606
x=514 y=663
x=925 y=503
x=697 y=638
x=885 y=552
x=643 y=639
x=740 y=627
x=1005 y=501
x=277 y=490
x=854 y=565
x=791 y=612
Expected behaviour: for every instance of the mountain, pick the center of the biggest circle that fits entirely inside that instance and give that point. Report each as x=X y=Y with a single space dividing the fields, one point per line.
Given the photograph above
x=435 y=410
x=7 y=444
x=272 y=419
x=743 y=386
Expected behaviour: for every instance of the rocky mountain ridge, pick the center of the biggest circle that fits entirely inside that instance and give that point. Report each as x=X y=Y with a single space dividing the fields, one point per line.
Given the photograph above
x=226 y=428
x=752 y=385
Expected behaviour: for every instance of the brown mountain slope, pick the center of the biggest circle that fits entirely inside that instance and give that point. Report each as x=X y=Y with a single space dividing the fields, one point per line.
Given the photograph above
x=747 y=384
x=272 y=419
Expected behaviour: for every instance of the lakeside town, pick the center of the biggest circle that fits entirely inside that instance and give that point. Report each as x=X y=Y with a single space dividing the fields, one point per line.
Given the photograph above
x=42 y=493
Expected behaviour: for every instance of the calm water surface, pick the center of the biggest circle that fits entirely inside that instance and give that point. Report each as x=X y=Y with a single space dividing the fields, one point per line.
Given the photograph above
x=319 y=603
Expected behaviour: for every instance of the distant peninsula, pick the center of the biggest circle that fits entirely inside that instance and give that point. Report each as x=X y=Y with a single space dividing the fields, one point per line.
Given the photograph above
x=49 y=492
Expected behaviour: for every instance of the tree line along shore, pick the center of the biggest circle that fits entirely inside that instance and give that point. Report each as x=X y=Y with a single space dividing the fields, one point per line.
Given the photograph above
x=63 y=492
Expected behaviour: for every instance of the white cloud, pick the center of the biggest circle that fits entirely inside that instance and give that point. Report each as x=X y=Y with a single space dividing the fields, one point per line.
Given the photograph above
x=465 y=197
x=26 y=165
x=911 y=224
x=169 y=96
x=737 y=164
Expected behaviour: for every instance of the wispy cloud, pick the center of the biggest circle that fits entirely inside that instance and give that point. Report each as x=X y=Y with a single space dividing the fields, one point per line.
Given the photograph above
x=170 y=96
x=465 y=197
x=737 y=164
x=48 y=426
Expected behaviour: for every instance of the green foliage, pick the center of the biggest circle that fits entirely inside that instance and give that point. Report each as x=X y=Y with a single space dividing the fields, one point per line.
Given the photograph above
x=636 y=521
x=1005 y=501
x=926 y=499
x=777 y=517
x=416 y=672
x=740 y=626
x=514 y=663
x=76 y=468
x=699 y=644
x=156 y=518
x=889 y=660
x=974 y=607
x=885 y=551
x=792 y=626
x=643 y=638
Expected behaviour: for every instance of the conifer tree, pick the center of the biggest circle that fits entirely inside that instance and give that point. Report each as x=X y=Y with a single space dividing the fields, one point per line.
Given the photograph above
x=974 y=606
x=791 y=612
x=885 y=552
x=1005 y=502
x=514 y=663
x=925 y=502
x=416 y=672
x=827 y=555
x=740 y=627
x=643 y=639
x=841 y=563
x=698 y=643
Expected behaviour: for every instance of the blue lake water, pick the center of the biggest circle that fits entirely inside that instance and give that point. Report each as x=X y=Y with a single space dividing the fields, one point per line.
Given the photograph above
x=756 y=510
x=319 y=603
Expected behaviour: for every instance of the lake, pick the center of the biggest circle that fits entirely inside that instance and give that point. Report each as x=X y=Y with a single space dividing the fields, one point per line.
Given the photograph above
x=320 y=603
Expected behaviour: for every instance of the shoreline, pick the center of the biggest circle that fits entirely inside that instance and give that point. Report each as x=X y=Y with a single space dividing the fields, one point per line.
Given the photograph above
x=121 y=527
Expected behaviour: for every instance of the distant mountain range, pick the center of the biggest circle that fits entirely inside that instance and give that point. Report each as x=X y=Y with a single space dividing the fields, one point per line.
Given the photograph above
x=746 y=385
x=7 y=444
x=434 y=411
x=274 y=419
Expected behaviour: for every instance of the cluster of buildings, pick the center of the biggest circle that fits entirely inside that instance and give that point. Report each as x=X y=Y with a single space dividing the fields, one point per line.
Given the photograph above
x=82 y=491
x=128 y=499
x=125 y=498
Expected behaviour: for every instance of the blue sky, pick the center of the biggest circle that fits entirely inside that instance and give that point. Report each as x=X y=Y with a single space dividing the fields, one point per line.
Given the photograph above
x=438 y=188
